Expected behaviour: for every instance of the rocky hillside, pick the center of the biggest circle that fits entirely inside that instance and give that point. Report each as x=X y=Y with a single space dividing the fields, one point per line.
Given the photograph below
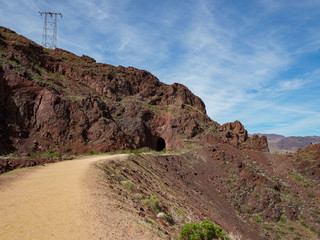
x=53 y=100
x=251 y=195
x=279 y=143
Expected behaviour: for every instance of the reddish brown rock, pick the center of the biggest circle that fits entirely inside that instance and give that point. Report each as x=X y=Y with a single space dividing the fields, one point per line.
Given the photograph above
x=257 y=143
x=72 y=104
x=233 y=133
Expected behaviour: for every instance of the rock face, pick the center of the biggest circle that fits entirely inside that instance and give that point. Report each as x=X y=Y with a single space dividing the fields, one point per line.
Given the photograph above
x=55 y=100
x=235 y=134
x=257 y=143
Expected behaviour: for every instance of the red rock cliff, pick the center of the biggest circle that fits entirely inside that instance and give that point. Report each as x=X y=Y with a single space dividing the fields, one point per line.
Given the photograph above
x=55 y=100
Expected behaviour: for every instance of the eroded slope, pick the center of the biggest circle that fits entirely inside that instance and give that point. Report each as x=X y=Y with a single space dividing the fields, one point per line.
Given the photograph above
x=252 y=195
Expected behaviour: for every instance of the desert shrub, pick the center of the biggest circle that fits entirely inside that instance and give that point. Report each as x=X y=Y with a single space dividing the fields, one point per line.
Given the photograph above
x=168 y=218
x=117 y=177
x=311 y=195
x=283 y=218
x=189 y=146
x=91 y=152
x=204 y=231
x=130 y=185
x=140 y=150
x=291 y=229
x=51 y=154
x=303 y=223
x=67 y=149
x=153 y=204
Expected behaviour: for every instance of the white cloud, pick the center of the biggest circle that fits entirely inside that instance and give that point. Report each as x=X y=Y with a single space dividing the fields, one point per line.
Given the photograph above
x=302 y=125
x=291 y=85
x=220 y=73
x=233 y=56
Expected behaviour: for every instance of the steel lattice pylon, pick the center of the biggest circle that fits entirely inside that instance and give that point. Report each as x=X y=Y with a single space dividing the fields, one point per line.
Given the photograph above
x=49 y=36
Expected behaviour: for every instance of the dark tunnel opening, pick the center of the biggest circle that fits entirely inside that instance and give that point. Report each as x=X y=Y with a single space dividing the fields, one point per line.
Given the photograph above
x=161 y=144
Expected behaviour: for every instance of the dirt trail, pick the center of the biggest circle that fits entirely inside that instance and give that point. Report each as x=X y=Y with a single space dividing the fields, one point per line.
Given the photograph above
x=55 y=202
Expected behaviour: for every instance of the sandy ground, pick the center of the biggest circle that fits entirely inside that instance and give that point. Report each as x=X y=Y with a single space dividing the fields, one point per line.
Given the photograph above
x=64 y=200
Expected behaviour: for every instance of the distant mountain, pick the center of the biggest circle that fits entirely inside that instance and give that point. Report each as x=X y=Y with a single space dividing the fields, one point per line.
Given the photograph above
x=289 y=144
x=272 y=137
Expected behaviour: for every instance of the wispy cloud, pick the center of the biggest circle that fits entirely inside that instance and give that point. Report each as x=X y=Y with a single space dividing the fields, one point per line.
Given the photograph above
x=291 y=85
x=254 y=61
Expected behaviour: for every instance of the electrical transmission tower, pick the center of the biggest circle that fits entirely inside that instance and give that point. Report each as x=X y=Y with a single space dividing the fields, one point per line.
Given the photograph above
x=49 y=36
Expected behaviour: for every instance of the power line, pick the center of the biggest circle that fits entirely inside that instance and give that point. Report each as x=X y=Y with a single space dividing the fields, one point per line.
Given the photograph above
x=49 y=35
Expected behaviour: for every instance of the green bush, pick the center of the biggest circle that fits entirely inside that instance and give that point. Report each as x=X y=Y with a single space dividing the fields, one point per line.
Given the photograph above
x=130 y=185
x=303 y=223
x=51 y=154
x=204 y=231
x=153 y=204
x=168 y=218
x=311 y=195
x=91 y=152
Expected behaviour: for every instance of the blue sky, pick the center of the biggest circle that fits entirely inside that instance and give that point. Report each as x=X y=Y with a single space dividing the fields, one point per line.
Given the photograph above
x=255 y=61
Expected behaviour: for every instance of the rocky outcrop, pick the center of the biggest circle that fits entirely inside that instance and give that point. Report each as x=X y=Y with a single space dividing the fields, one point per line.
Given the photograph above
x=55 y=100
x=257 y=143
x=233 y=133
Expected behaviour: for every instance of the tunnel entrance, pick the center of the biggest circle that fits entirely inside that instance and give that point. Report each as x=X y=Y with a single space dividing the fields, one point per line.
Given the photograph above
x=161 y=144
